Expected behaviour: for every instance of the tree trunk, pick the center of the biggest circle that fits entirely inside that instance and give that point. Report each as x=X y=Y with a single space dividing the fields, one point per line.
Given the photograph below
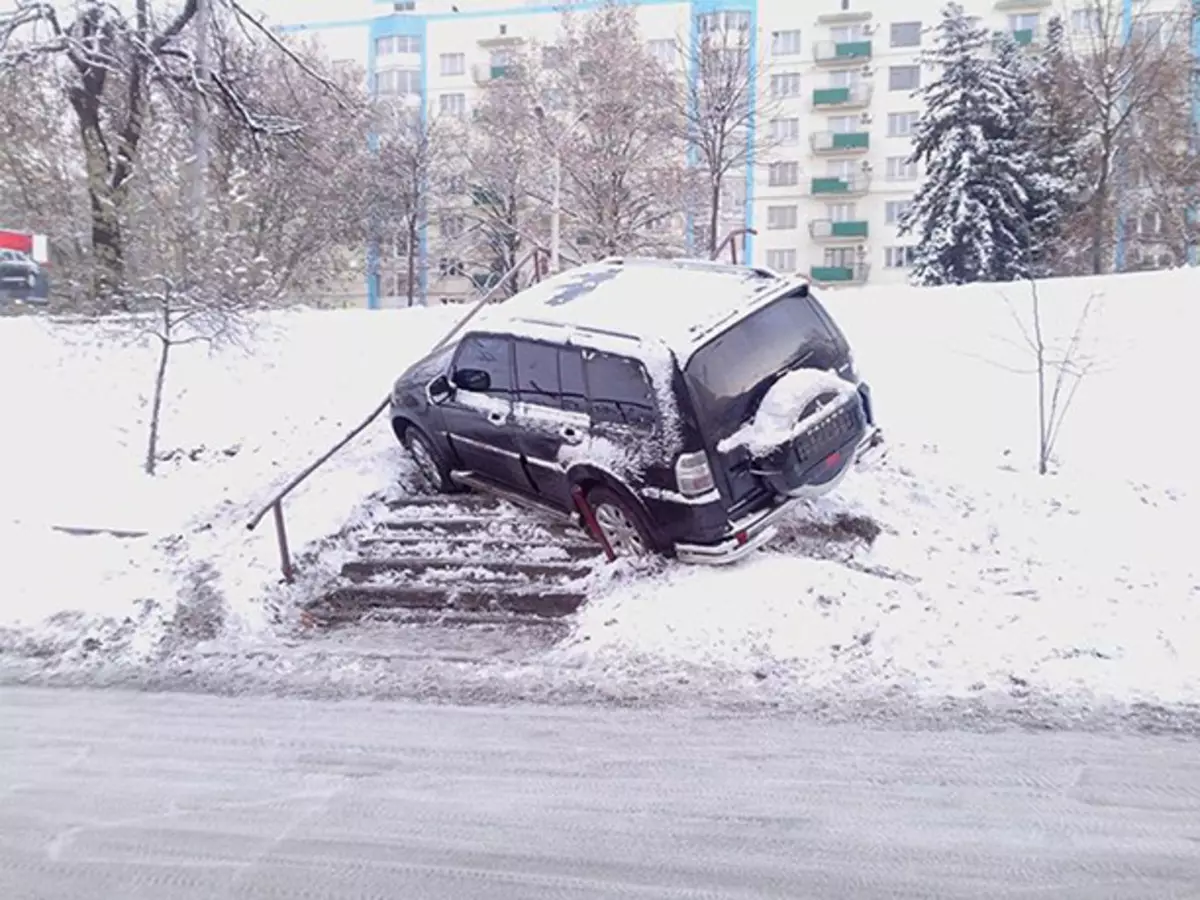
x=160 y=380
x=714 y=217
x=412 y=261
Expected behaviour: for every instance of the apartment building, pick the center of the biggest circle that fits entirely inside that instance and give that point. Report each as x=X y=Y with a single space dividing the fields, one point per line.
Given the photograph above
x=830 y=179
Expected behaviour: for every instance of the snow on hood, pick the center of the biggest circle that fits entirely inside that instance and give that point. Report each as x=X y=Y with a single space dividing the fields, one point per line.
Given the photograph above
x=776 y=421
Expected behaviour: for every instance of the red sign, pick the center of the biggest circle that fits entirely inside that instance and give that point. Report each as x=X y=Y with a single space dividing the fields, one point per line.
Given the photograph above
x=15 y=240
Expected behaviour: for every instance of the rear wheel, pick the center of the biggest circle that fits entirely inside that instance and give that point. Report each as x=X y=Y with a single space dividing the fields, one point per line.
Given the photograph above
x=621 y=524
x=432 y=473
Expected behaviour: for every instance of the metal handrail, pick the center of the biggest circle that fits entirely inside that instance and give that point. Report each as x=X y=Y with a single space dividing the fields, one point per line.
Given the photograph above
x=275 y=504
x=736 y=233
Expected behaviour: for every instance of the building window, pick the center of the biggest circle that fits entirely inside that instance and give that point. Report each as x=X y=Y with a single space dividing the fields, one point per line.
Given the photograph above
x=786 y=84
x=785 y=131
x=398 y=81
x=904 y=78
x=781 y=260
x=1086 y=21
x=452 y=226
x=663 y=51
x=453 y=105
x=845 y=78
x=783 y=174
x=452 y=63
x=1023 y=22
x=1150 y=224
x=730 y=20
x=450 y=267
x=397 y=43
x=894 y=211
x=785 y=43
x=840 y=257
x=900 y=169
x=844 y=124
x=898 y=257
x=781 y=218
x=848 y=34
x=906 y=34
x=841 y=212
x=901 y=124
x=841 y=168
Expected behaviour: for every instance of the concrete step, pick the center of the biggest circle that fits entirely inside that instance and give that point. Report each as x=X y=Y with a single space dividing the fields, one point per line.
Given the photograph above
x=359 y=599
x=360 y=569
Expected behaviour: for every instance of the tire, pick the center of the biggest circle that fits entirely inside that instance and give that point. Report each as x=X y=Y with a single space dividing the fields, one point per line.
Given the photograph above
x=432 y=472
x=623 y=525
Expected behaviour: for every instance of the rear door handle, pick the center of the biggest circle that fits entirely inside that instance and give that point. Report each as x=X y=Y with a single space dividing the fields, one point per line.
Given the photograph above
x=570 y=434
x=496 y=418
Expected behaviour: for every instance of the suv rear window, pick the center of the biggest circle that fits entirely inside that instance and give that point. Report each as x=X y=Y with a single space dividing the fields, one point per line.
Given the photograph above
x=724 y=372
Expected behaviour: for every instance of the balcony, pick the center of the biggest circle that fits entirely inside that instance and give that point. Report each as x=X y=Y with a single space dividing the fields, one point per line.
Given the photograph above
x=840 y=142
x=835 y=185
x=485 y=73
x=842 y=97
x=856 y=274
x=1025 y=37
x=835 y=53
x=829 y=230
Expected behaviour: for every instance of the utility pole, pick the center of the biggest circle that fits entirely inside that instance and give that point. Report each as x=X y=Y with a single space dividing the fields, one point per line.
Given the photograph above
x=556 y=212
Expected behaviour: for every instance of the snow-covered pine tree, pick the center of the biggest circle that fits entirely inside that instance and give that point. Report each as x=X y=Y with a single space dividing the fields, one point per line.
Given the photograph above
x=970 y=213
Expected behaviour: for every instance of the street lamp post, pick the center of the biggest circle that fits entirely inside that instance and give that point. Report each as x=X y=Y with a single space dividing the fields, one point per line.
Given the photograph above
x=556 y=184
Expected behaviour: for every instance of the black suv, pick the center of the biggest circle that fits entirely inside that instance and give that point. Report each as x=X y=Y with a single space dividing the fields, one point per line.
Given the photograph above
x=688 y=403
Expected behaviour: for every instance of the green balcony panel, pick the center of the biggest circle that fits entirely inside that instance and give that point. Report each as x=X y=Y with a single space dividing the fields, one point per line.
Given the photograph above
x=830 y=186
x=851 y=140
x=501 y=71
x=849 y=229
x=831 y=96
x=853 y=50
x=832 y=273
x=1023 y=36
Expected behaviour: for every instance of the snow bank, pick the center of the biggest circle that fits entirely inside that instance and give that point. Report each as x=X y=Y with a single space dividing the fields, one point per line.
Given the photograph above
x=236 y=424
x=986 y=576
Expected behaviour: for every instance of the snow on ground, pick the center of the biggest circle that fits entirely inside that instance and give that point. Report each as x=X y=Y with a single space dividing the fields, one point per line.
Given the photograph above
x=238 y=423
x=986 y=576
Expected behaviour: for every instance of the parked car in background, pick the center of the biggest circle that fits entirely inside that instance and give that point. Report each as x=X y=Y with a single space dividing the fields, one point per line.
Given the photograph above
x=18 y=271
x=691 y=403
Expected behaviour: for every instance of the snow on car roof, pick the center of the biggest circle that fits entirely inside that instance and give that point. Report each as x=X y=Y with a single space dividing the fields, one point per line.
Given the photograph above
x=676 y=302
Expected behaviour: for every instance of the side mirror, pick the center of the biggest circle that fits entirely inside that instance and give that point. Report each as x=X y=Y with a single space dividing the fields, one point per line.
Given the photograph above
x=477 y=380
x=439 y=390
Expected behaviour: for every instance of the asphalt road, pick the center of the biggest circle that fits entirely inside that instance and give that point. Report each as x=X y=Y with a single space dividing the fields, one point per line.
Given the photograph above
x=124 y=796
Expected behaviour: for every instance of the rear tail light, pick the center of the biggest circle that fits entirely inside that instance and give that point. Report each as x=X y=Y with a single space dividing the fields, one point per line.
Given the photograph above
x=693 y=474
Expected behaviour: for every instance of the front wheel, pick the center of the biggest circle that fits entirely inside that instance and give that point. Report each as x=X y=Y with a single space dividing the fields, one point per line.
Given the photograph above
x=622 y=525
x=434 y=475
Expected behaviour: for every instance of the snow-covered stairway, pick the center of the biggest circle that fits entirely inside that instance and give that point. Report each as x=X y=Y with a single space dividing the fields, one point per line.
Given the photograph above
x=463 y=558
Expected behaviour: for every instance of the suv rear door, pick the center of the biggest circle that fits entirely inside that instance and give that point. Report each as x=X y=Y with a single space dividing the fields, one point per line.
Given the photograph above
x=480 y=424
x=551 y=413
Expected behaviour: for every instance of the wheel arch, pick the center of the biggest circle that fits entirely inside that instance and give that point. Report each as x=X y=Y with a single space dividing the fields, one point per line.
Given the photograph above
x=589 y=475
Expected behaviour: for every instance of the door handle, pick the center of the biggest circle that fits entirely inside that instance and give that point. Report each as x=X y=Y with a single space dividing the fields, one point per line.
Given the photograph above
x=496 y=418
x=570 y=434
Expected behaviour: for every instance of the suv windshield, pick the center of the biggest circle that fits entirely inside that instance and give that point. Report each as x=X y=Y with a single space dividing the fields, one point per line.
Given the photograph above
x=729 y=375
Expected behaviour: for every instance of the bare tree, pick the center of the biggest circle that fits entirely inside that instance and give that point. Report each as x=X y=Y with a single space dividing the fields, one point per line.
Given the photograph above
x=1115 y=82
x=1059 y=367
x=720 y=102
x=184 y=286
x=109 y=58
x=623 y=165
x=410 y=160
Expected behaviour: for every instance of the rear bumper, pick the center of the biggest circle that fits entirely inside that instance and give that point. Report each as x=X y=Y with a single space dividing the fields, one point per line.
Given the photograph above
x=756 y=530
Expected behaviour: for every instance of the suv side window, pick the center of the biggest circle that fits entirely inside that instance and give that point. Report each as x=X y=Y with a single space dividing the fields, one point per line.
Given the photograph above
x=574 y=387
x=537 y=373
x=619 y=390
x=493 y=354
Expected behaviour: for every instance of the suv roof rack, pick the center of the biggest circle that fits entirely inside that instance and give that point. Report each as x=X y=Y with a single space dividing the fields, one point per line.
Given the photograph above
x=590 y=329
x=690 y=263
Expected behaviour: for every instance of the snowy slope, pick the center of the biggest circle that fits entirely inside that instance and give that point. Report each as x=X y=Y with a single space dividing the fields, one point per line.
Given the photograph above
x=246 y=419
x=984 y=577
x=996 y=578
